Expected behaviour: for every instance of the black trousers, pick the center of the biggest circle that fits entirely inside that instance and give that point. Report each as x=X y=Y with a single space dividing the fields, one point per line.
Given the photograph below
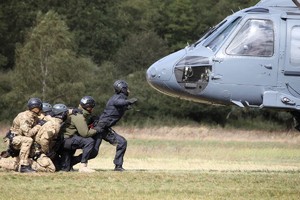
x=108 y=135
x=71 y=145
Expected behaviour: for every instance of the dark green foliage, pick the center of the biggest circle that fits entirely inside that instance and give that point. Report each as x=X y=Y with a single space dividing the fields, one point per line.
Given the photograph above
x=139 y=51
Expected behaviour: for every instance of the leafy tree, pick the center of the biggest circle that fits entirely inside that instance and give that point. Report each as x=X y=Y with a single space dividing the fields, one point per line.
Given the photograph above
x=177 y=22
x=15 y=19
x=138 y=15
x=100 y=84
x=47 y=66
x=3 y=58
x=139 y=51
x=94 y=24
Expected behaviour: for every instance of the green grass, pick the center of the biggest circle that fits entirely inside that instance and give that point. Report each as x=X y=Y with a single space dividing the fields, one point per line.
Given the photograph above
x=152 y=185
x=165 y=164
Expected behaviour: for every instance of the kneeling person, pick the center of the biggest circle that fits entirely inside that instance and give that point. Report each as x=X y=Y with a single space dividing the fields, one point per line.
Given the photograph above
x=77 y=135
x=47 y=139
x=21 y=134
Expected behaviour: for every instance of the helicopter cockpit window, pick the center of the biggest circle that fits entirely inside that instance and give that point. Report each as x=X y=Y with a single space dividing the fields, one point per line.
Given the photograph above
x=217 y=41
x=256 y=38
x=209 y=32
x=295 y=46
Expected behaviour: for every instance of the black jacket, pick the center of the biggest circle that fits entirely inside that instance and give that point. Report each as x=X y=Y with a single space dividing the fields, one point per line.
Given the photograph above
x=114 y=110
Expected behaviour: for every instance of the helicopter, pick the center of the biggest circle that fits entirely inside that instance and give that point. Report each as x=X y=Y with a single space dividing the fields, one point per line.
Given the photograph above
x=250 y=59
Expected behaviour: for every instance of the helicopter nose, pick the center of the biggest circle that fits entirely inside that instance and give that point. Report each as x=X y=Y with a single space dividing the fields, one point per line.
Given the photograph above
x=157 y=75
x=160 y=75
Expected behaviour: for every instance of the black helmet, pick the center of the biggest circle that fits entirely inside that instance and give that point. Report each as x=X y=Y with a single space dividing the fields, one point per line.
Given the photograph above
x=47 y=107
x=87 y=102
x=60 y=111
x=121 y=86
x=34 y=103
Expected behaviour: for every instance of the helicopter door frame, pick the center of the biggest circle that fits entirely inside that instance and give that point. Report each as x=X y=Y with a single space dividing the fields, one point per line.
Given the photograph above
x=254 y=70
x=292 y=55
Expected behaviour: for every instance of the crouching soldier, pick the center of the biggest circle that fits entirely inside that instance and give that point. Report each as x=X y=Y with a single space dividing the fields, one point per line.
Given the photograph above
x=20 y=136
x=47 y=140
x=77 y=135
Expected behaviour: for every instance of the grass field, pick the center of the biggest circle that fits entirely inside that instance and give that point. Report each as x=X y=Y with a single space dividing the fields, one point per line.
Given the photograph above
x=177 y=163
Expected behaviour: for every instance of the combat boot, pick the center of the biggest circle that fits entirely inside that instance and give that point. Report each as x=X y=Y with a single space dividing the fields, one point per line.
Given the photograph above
x=26 y=169
x=119 y=168
x=84 y=168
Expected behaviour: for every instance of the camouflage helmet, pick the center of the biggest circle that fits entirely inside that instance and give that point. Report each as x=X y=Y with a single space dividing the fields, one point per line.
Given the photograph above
x=87 y=102
x=120 y=86
x=34 y=103
x=47 y=107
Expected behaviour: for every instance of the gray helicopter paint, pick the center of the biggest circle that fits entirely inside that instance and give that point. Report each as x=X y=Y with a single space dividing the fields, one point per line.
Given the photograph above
x=276 y=3
x=251 y=58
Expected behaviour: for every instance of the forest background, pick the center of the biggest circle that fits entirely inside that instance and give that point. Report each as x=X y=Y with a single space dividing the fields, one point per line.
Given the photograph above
x=61 y=51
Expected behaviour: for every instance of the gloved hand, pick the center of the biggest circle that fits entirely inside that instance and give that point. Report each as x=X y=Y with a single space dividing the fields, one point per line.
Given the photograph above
x=75 y=111
x=132 y=101
x=94 y=124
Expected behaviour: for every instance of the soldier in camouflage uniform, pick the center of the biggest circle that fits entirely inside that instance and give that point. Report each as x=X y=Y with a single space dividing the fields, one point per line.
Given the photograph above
x=46 y=140
x=24 y=128
x=42 y=150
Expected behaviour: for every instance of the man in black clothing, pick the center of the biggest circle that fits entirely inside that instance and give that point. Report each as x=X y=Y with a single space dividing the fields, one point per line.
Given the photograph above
x=113 y=112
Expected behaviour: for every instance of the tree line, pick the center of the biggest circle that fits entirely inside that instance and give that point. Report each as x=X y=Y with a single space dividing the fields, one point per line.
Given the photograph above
x=63 y=50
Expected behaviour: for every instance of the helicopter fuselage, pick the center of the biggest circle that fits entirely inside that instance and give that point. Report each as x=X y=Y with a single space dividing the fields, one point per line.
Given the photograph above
x=250 y=59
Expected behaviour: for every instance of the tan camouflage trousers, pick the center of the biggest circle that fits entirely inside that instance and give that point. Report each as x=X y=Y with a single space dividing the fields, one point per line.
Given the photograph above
x=42 y=164
x=10 y=163
x=24 y=144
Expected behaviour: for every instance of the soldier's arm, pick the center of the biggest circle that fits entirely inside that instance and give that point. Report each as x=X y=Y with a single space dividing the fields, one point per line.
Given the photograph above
x=32 y=132
x=26 y=128
x=44 y=142
x=82 y=127
x=121 y=102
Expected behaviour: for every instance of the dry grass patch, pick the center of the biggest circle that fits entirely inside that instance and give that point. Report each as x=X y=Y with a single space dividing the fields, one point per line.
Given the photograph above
x=206 y=133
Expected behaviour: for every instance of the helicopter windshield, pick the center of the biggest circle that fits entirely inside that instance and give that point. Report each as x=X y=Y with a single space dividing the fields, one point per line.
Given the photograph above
x=217 y=41
x=209 y=32
x=255 y=38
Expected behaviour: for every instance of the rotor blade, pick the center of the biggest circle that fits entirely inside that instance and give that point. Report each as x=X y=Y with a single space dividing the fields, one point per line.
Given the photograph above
x=297 y=3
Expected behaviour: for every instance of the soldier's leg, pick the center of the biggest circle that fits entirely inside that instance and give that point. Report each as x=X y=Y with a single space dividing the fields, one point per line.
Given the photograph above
x=121 y=144
x=98 y=140
x=24 y=144
x=86 y=144
x=95 y=151
x=66 y=156
x=9 y=163
x=43 y=164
